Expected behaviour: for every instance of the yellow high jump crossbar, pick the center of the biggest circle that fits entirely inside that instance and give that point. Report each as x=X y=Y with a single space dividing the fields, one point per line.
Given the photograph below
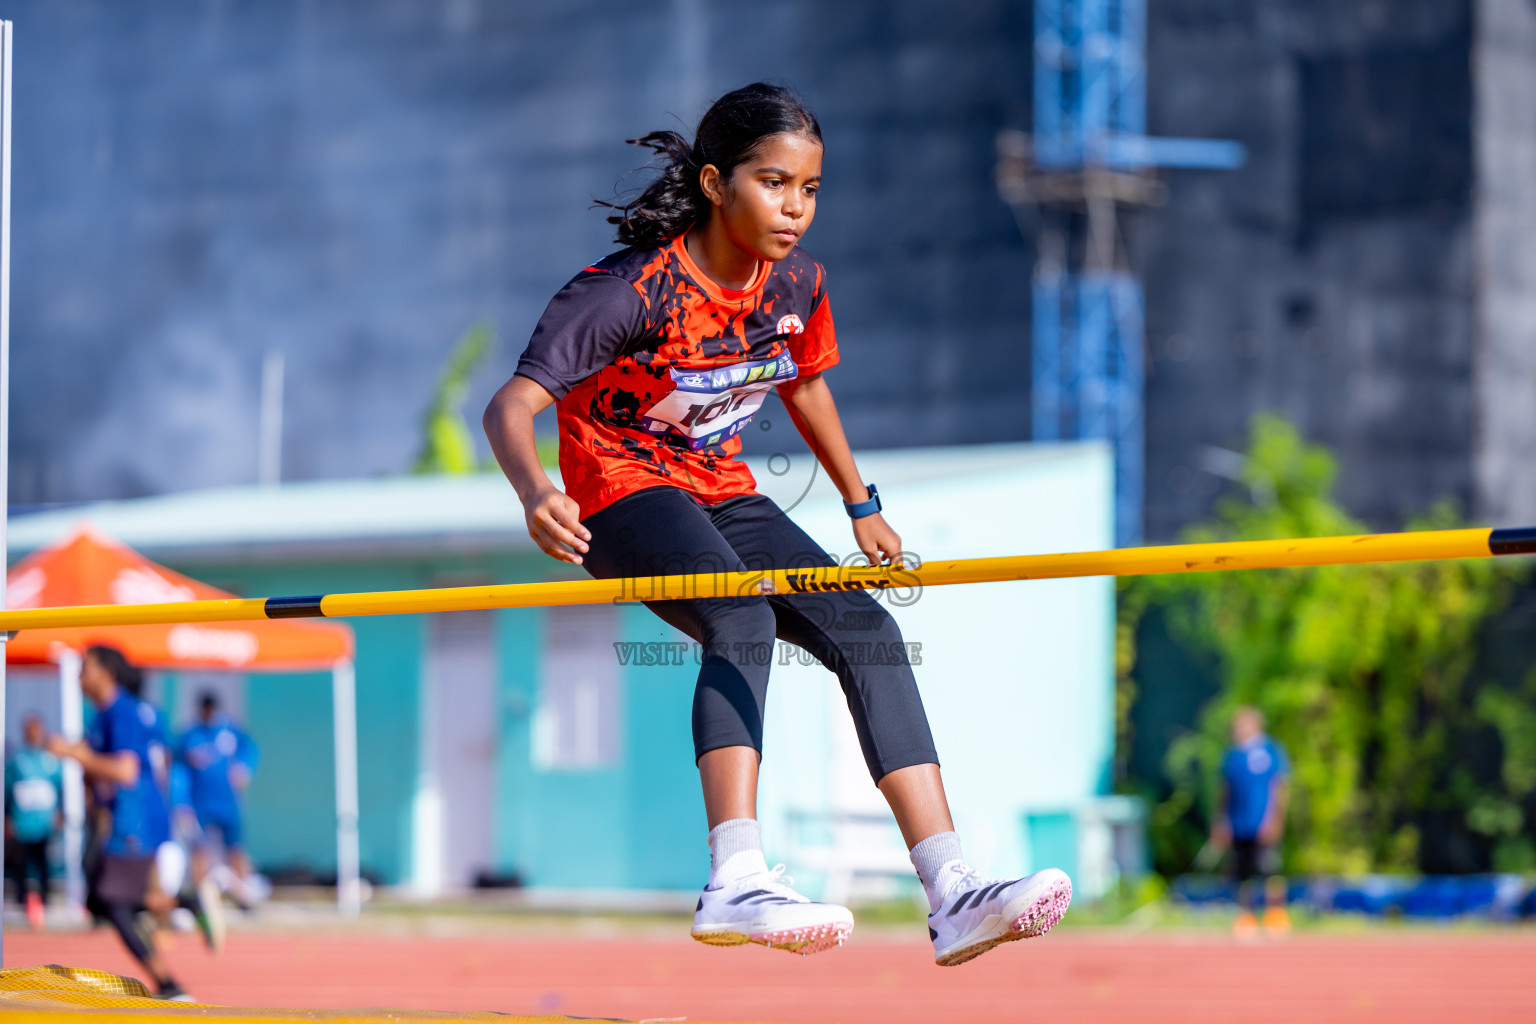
x=1426 y=545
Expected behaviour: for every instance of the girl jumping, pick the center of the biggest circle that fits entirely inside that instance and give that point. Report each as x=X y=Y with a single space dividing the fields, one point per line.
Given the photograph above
x=657 y=356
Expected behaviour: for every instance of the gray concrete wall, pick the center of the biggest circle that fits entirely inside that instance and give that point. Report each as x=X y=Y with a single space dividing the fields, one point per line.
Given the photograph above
x=356 y=182
x=1330 y=279
x=1505 y=261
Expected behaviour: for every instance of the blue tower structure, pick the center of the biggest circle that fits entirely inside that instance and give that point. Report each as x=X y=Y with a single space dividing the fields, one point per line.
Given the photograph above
x=1088 y=159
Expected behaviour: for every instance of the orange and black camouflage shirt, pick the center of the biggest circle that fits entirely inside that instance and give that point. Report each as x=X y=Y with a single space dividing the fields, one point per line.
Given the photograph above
x=656 y=368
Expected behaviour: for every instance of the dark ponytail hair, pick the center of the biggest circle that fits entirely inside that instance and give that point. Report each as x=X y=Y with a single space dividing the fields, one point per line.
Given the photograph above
x=730 y=133
x=118 y=667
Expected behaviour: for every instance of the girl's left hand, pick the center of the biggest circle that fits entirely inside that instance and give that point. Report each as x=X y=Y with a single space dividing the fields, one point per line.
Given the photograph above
x=876 y=539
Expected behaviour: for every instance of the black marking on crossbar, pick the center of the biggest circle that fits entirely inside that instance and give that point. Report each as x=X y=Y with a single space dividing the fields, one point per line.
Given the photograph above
x=1517 y=541
x=294 y=607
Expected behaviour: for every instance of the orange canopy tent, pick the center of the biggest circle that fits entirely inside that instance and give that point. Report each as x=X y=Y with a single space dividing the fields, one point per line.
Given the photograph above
x=90 y=568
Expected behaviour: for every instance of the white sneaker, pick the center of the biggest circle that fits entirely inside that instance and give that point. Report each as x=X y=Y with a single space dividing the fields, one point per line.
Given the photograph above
x=761 y=907
x=979 y=913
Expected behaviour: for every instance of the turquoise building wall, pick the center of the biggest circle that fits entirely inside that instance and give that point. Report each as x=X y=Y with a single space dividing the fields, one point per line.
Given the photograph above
x=636 y=824
x=291 y=806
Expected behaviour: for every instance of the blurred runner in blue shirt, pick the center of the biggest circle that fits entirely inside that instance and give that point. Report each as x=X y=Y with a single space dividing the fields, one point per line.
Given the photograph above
x=180 y=801
x=220 y=760
x=34 y=810
x=159 y=731
x=1255 y=786
x=117 y=759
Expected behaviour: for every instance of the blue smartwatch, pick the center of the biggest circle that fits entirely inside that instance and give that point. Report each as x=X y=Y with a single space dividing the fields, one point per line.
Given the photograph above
x=860 y=509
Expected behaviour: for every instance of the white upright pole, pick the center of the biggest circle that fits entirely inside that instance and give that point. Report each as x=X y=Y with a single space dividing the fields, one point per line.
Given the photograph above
x=5 y=346
x=269 y=456
x=72 y=726
x=349 y=889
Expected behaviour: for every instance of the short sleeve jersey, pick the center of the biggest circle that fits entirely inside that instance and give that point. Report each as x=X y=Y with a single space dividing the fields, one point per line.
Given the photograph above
x=34 y=780
x=210 y=752
x=1250 y=772
x=657 y=369
x=140 y=822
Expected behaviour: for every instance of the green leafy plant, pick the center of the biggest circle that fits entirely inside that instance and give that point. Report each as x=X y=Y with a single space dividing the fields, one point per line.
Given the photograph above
x=1364 y=673
x=447 y=445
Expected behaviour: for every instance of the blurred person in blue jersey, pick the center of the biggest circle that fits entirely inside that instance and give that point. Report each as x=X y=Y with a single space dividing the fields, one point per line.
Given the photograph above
x=118 y=761
x=170 y=888
x=159 y=731
x=1251 y=820
x=220 y=759
x=34 y=812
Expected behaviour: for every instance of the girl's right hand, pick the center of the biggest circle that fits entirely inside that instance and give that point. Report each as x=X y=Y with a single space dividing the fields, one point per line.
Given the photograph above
x=554 y=523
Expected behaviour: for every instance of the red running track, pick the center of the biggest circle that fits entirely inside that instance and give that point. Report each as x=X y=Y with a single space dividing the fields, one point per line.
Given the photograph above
x=1076 y=977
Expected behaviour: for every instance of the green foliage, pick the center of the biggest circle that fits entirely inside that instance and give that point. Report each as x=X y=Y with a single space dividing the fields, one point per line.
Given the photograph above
x=447 y=444
x=1503 y=816
x=1362 y=671
x=549 y=451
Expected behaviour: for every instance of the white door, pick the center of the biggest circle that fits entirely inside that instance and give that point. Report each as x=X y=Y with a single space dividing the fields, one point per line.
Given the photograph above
x=455 y=797
x=576 y=725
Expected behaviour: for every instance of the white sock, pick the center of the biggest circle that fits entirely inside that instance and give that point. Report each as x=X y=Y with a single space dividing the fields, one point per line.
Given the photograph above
x=939 y=863
x=735 y=851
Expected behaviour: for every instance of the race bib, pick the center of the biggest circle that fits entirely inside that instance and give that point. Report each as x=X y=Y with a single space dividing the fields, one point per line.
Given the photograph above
x=35 y=795
x=708 y=407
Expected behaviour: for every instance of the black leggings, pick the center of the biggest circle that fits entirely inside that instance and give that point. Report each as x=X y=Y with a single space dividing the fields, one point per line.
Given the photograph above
x=115 y=894
x=665 y=530
x=124 y=920
x=27 y=859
